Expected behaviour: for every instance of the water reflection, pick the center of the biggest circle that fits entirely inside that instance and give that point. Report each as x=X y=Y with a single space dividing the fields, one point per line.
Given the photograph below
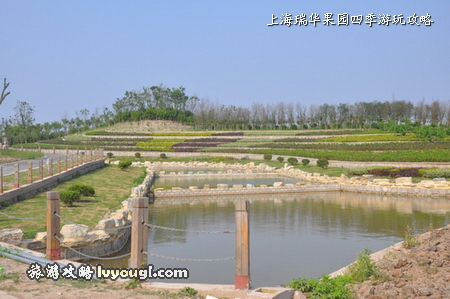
x=290 y=234
x=255 y=180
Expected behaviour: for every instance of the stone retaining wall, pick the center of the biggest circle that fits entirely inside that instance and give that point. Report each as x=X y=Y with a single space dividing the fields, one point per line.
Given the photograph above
x=29 y=190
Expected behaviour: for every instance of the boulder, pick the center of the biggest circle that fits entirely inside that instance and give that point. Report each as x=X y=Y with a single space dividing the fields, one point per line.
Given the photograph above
x=11 y=235
x=72 y=233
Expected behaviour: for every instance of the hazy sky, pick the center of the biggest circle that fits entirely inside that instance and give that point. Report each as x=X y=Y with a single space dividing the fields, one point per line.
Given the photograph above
x=64 y=56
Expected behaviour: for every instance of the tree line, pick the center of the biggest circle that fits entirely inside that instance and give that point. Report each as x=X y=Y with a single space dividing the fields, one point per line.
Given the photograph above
x=294 y=116
x=164 y=103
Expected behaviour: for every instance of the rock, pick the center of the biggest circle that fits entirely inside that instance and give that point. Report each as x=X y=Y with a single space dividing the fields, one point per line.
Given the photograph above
x=277 y=184
x=41 y=236
x=222 y=186
x=193 y=187
x=11 y=235
x=105 y=224
x=238 y=186
x=74 y=233
x=403 y=180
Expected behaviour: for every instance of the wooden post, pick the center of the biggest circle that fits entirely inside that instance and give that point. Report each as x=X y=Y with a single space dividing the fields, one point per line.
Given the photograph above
x=39 y=149
x=1 y=179
x=41 y=170
x=139 y=232
x=53 y=150
x=90 y=153
x=78 y=151
x=16 y=176
x=30 y=172
x=50 y=167
x=65 y=162
x=242 y=277
x=67 y=150
x=53 y=226
x=59 y=164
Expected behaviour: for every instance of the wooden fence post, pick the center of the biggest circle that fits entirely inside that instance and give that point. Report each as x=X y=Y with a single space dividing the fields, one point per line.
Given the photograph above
x=16 y=175
x=30 y=172
x=242 y=276
x=50 y=167
x=41 y=170
x=90 y=153
x=67 y=150
x=59 y=164
x=53 y=226
x=65 y=162
x=53 y=150
x=139 y=232
x=1 y=179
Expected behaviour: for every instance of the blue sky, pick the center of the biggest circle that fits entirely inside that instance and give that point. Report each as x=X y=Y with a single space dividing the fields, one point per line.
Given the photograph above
x=64 y=56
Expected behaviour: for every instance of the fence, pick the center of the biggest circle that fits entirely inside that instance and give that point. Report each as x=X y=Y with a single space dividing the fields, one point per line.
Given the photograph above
x=30 y=181
x=139 y=237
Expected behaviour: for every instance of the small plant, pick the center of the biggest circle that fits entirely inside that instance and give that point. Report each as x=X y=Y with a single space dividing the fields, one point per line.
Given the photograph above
x=124 y=164
x=267 y=157
x=137 y=155
x=280 y=159
x=305 y=162
x=322 y=162
x=410 y=240
x=325 y=287
x=163 y=156
x=109 y=155
x=292 y=161
x=132 y=284
x=68 y=197
x=363 y=267
x=188 y=291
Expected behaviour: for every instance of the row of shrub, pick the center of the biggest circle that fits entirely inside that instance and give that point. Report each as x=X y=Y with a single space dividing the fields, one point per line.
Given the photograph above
x=339 y=132
x=416 y=145
x=401 y=172
x=372 y=138
x=384 y=156
x=74 y=193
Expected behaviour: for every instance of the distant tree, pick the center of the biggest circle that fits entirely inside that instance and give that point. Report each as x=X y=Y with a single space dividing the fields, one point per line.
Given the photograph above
x=24 y=118
x=4 y=95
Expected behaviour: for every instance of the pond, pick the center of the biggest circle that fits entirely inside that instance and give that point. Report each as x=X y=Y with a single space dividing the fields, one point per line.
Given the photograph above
x=255 y=180
x=291 y=235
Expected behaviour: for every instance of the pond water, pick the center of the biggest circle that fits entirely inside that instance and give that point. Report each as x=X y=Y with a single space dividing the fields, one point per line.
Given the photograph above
x=185 y=182
x=291 y=235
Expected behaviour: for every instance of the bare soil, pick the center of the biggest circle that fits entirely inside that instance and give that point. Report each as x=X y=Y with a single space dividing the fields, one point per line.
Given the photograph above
x=421 y=271
x=6 y=159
